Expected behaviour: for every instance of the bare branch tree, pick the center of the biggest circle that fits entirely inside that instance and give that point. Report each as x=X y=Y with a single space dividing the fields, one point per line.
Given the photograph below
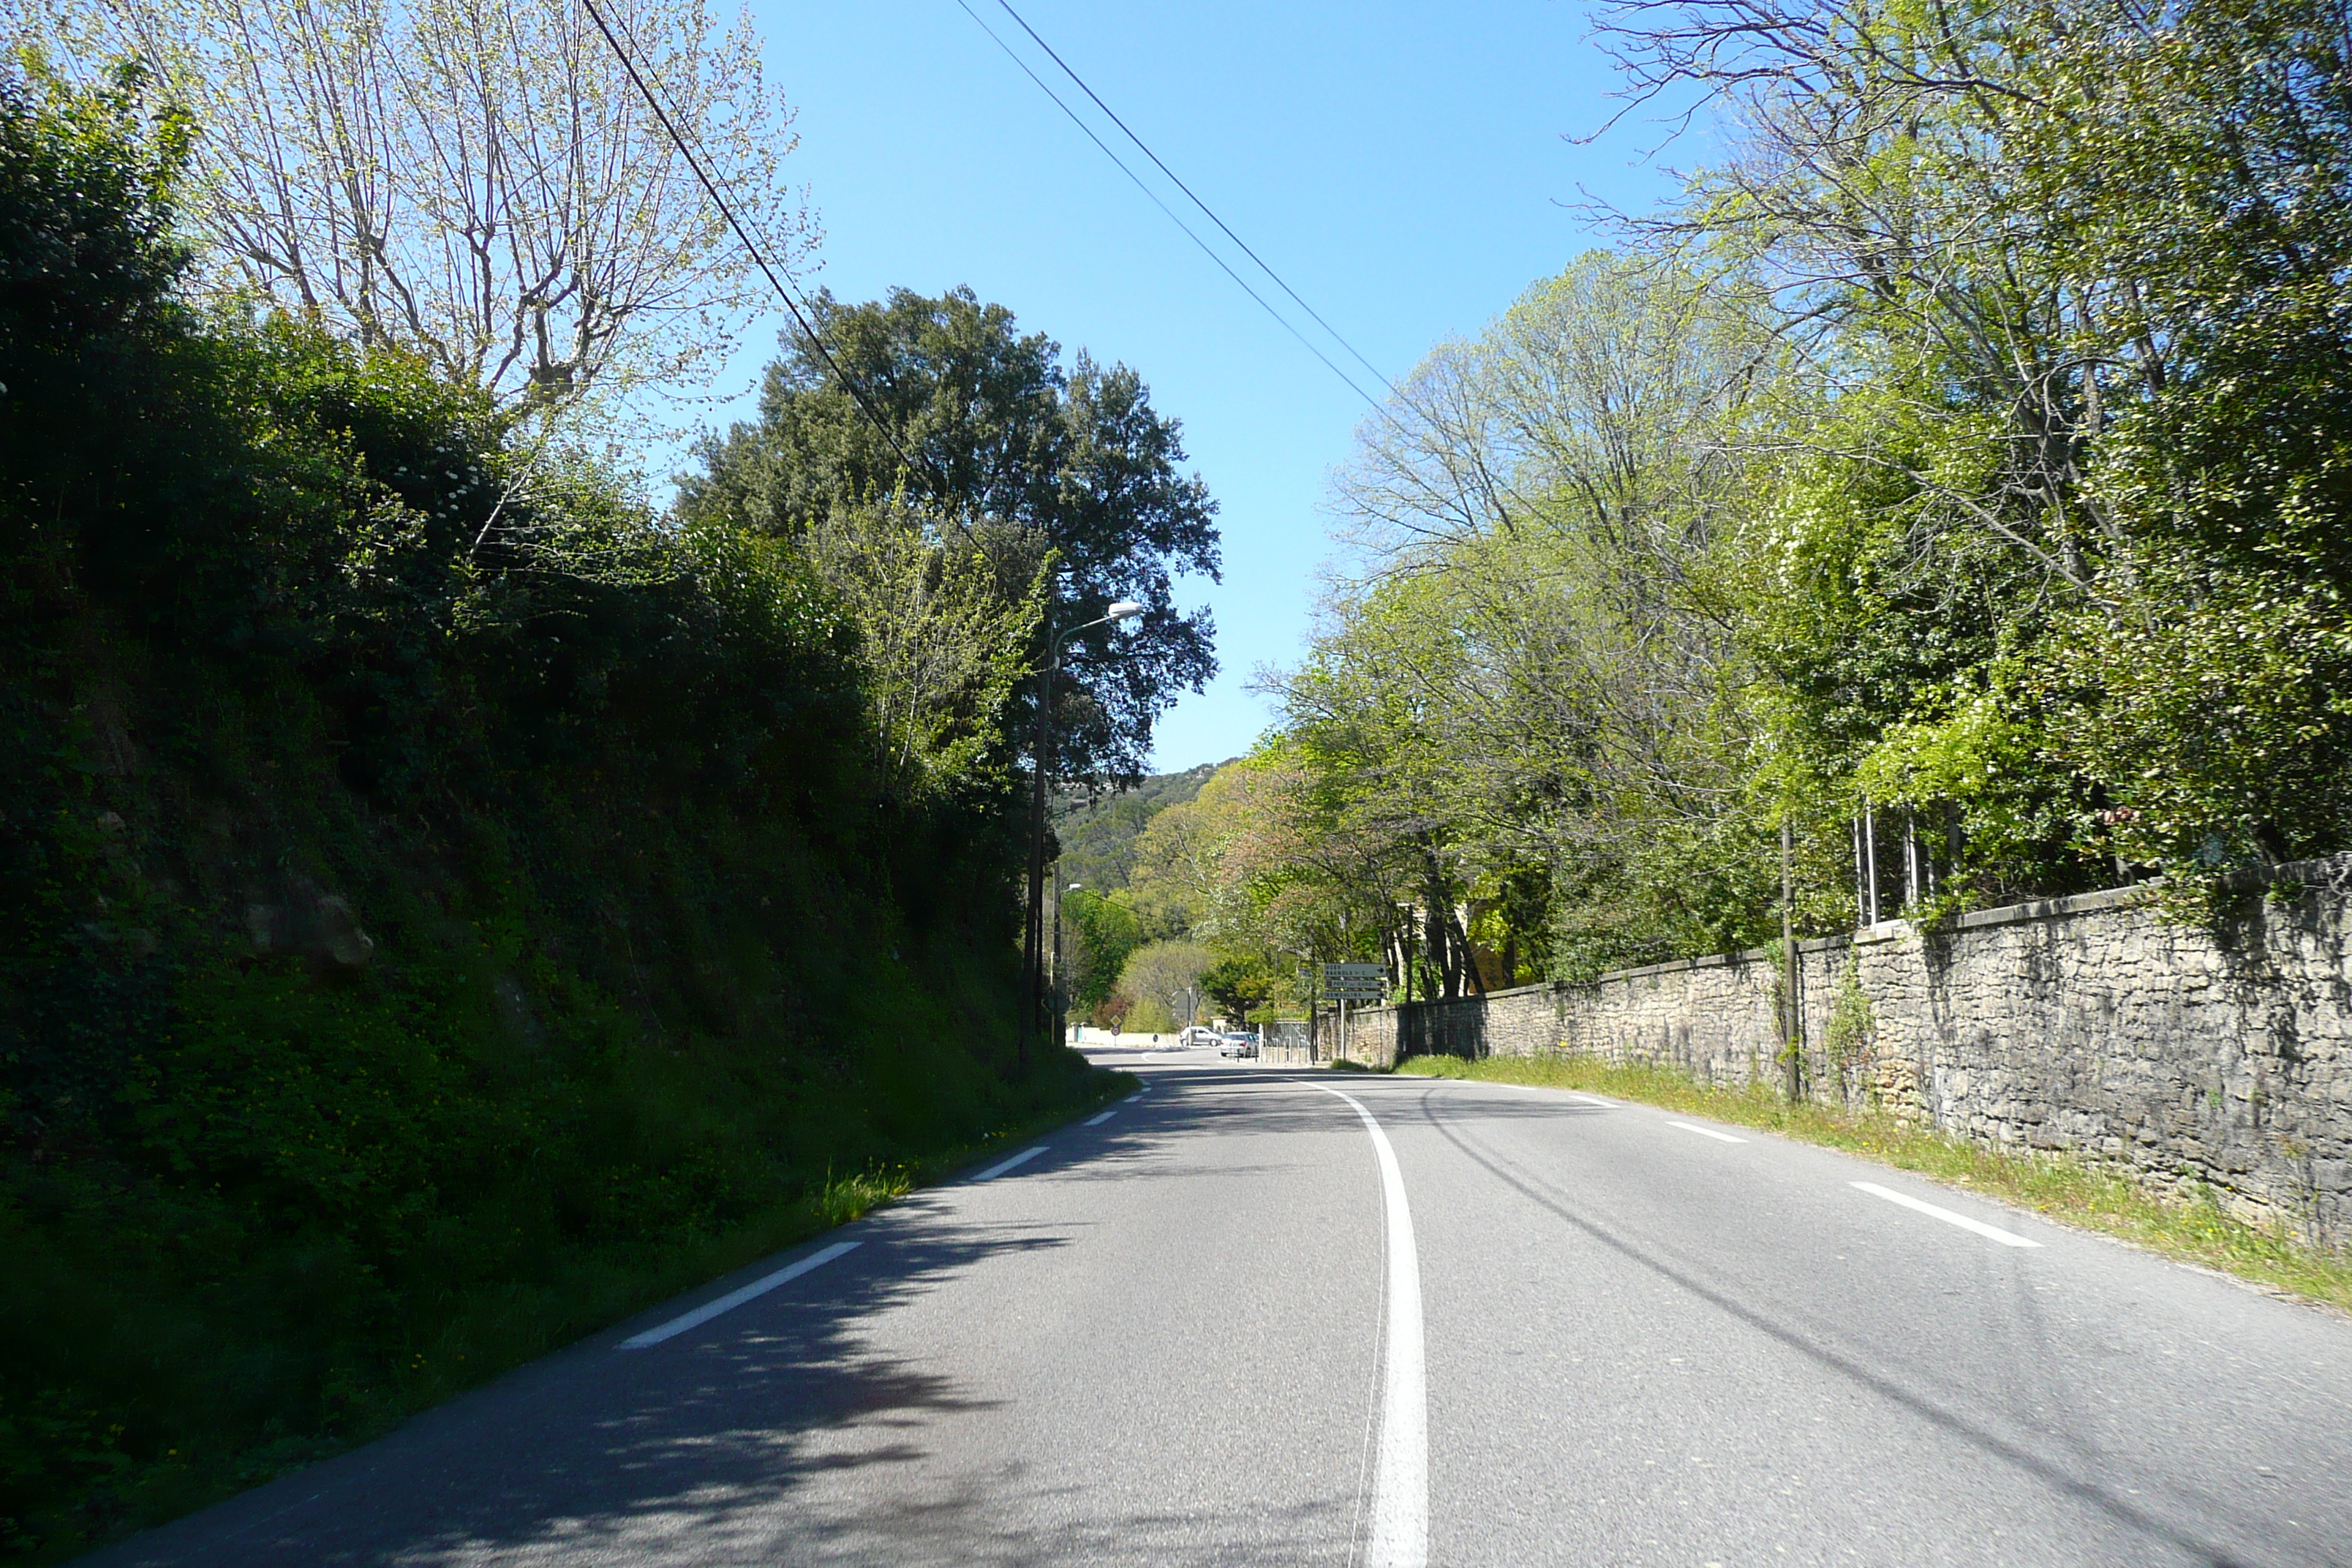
x=477 y=181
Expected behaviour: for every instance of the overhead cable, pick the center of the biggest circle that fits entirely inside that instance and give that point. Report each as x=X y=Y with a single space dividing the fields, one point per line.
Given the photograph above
x=1142 y=185
x=1195 y=200
x=759 y=257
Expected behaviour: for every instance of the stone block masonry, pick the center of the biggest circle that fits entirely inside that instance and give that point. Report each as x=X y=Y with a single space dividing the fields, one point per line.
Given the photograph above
x=2219 y=1058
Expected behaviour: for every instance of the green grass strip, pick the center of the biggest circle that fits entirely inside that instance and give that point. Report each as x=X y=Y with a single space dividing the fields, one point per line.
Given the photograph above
x=493 y=1329
x=2064 y=1187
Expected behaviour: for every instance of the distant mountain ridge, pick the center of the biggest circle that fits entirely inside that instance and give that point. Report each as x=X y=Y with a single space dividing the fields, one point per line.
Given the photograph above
x=1099 y=829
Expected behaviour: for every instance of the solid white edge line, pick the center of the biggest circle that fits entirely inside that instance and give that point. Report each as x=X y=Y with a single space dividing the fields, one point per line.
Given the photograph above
x=1992 y=1232
x=1400 y=1536
x=734 y=1298
x=1098 y=1121
x=1705 y=1132
x=1003 y=1165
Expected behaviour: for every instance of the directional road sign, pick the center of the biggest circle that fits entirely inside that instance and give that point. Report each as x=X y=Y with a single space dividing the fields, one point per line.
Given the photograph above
x=1356 y=982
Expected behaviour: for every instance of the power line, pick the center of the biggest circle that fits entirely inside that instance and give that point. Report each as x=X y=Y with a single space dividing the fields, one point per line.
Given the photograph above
x=1196 y=201
x=710 y=188
x=1206 y=250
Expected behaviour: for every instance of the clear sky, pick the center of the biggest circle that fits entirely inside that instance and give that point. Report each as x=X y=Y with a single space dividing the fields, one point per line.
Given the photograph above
x=1403 y=166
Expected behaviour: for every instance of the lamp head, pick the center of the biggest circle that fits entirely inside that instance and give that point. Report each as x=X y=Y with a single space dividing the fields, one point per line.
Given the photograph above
x=1125 y=610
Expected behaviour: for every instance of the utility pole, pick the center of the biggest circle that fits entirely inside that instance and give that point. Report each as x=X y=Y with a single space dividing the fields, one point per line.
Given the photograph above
x=1033 y=913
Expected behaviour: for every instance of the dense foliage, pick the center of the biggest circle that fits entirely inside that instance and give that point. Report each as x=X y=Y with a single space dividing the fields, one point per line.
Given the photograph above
x=1026 y=461
x=1096 y=833
x=1097 y=830
x=420 y=942
x=1960 y=466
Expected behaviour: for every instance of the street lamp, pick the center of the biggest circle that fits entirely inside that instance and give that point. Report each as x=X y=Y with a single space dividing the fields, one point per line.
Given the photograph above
x=1032 y=930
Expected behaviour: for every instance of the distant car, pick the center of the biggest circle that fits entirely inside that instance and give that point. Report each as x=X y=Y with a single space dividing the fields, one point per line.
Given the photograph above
x=1198 y=1034
x=1238 y=1043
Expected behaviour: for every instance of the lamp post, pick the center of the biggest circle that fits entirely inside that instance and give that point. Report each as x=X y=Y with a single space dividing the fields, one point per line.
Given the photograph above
x=1032 y=932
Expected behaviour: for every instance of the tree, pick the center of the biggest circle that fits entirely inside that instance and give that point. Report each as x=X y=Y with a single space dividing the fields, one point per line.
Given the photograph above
x=2195 y=168
x=1004 y=444
x=1164 y=978
x=1102 y=931
x=1241 y=984
x=475 y=182
x=1527 y=714
x=941 y=651
x=87 y=192
x=1172 y=884
x=2067 y=279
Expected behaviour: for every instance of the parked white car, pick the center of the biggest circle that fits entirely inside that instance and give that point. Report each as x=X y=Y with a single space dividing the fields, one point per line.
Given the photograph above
x=1197 y=1035
x=1238 y=1043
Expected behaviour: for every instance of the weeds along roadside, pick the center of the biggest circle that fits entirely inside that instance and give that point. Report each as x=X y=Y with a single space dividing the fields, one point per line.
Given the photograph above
x=2064 y=1188
x=459 y=1360
x=477 y=1332
x=415 y=952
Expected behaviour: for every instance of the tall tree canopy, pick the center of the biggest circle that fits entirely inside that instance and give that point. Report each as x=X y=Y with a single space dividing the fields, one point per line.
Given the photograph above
x=1957 y=475
x=1007 y=445
x=257 y=688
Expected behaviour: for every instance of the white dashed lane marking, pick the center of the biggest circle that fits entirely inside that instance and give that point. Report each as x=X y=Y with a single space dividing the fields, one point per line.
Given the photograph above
x=1990 y=1232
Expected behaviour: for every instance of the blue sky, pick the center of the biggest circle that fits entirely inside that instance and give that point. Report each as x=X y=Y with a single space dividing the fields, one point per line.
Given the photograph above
x=1403 y=166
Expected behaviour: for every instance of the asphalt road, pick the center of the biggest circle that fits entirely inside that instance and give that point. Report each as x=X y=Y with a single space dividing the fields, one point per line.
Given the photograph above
x=1262 y=1316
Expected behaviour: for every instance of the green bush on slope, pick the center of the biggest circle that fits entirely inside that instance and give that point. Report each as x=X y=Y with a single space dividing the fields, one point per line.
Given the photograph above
x=414 y=950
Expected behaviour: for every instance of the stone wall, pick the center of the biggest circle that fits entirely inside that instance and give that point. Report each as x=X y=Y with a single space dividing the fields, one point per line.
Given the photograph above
x=2093 y=1025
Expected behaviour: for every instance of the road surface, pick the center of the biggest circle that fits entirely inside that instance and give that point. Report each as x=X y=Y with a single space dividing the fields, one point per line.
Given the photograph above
x=1259 y=1316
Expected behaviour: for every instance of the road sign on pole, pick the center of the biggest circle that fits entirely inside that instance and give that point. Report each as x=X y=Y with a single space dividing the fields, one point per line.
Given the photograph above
x=1356 y=982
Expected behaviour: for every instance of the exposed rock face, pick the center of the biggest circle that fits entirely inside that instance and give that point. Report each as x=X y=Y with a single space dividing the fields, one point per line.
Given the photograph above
x=113 y=751
x=517 y=1014
x=2092 y=1025
x=310 y=924
x=340 y=936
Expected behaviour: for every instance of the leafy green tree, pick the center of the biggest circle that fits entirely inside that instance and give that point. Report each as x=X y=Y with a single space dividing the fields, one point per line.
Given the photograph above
x=941 y=651
x=2195 y=168
x=1102 y=931
x=1028 y=456
x=87 y=211
x=1164 y=979
x=1243 y=984
x=2063 y=281
x=1535 y=700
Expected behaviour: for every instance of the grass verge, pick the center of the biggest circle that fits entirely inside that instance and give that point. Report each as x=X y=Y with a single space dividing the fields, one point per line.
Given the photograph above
x=482 y=1329
x=2064 y=1187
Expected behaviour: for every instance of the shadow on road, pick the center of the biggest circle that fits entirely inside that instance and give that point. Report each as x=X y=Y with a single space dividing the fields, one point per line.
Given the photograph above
x=697 y=1449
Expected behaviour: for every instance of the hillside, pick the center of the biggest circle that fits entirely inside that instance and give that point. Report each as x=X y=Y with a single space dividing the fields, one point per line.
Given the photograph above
x=419 y=945
x=1097 y=830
